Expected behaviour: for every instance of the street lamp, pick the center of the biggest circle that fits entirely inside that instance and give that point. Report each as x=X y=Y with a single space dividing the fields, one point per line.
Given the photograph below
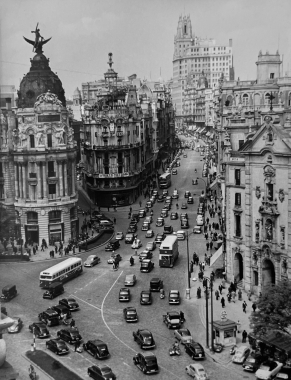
x=188 y=266
x=205 y=285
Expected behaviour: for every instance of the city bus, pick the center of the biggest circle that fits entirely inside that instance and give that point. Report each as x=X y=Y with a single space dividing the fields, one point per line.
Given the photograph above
x=61 y=272
x=168 y=252
x=165 y=180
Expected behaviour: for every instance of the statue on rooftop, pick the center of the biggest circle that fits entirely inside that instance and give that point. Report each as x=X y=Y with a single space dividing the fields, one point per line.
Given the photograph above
x=38 y=42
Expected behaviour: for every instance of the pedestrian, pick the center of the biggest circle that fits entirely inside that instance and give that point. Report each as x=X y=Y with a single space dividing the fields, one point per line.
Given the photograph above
x=199 y=292
x=207 y=245
x=130 y=209
x=220 y=288
x=254 y=306
x=233 y=296
x=229 y=297
x=42 y=247
x=34 y=250
x=191 y=267
x=217 y=295
x=238 y=326
x=203 y=266
x=244 y=306
x=207 y=220
x=211 y=244
x=222 y=302
x=244 y=336
x=206 y=235
x=114 y=220
x=56 y=249
x=213 y=225
x=239 y=295
x=249 y=295
x=209 y=227
x=72 y=323
x=76 y=344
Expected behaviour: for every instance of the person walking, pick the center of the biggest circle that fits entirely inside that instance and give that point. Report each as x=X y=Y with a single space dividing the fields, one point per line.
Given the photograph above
x=72 y=323
x=114 y=221
x=229 y=297
x=238 y=326
x=207 y=245
x=217 y=295
x=207 y=220
x=211 y=244
x=244 y=306
x=199 y=292
x=76 y=344
x=244 y=336
x=249 y=295
x=233 y=296
x=42 y=247
x=220 y=289
x=222 y=302
x=254 y=306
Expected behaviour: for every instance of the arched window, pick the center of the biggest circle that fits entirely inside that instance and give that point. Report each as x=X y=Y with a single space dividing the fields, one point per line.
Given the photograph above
x=32 y=217
x=267 y=99
x=257 y=100
x=245 y=99
x=31 y=139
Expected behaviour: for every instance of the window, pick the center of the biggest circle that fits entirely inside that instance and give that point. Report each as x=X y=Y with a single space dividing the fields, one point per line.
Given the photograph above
x=255 y=278
x=55 y=216
x=32 y=142
x=237 y=176
x=238 y=199
x=270 y=192
x=1 y=169
x=51 y=169
x=272 y=75
x=32 y=217
x=49 y=140
x=185 y=29
x=237 y=225
x=52 y=189
x=240 y=143
x=267 y=99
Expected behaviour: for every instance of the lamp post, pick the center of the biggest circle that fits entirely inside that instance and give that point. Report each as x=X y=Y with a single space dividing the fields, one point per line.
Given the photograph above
x=207 y=280
x=188 y=267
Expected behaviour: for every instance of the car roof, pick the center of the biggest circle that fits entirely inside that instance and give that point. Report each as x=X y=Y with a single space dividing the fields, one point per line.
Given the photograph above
x=174 y=291
x=155 y=279
x=97 y=341
x=91 y=256
x=173 y=313
x=197 y=365
x=130 y=308
x=130 y=275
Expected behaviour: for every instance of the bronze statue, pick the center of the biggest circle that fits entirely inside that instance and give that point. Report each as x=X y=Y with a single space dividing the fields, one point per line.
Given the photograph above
x=38 y=42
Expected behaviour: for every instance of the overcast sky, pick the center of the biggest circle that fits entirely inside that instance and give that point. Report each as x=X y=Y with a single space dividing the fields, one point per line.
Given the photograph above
x=139 y=33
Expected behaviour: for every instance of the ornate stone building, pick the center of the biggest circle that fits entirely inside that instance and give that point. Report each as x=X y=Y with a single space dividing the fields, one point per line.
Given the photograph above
x=38 y=157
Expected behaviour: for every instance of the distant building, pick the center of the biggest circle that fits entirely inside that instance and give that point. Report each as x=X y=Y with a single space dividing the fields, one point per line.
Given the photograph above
x=194 y=55
x=7 y=97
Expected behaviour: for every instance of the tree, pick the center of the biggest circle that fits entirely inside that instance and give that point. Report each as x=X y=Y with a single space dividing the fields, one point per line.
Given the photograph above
x=273 y=309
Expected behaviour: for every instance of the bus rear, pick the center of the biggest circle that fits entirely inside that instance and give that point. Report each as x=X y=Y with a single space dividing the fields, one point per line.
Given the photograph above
x=168 y=252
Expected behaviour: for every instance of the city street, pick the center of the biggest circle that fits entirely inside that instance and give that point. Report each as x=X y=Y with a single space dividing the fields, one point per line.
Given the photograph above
x=97 y=290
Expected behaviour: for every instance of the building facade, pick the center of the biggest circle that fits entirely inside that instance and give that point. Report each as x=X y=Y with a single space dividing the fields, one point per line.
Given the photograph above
x=194 y=55
x=38 y=157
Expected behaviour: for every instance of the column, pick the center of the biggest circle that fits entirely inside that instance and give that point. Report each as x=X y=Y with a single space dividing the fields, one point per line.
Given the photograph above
x=73 y=178
x=66 y=178
x=58 y=183
x=24 y=180
x=39 y=195
x=16 y=180
x=61 y=178
x=44 y=179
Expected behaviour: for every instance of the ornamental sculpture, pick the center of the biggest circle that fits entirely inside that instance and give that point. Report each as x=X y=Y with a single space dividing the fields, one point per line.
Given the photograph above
x=284 y=265
x=38 y=42
x=47 y=98
x=258 y=192
x=281 y=195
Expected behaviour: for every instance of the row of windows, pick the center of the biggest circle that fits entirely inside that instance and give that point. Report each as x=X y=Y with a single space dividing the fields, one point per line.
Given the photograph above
x=66 y=270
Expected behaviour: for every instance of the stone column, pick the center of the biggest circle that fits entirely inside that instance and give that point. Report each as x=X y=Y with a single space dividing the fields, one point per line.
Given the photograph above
x=58 y=183
x=39 y=195
x=66 y=178
x=24 y=180
x=44 y=179
x=73 y=178
x=16 y=180
x=60 y=163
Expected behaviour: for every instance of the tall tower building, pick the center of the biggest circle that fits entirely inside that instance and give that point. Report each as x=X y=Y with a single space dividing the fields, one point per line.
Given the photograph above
x=192 y=55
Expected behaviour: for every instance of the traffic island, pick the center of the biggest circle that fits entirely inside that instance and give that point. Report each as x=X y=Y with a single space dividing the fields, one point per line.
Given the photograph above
x=55 y=369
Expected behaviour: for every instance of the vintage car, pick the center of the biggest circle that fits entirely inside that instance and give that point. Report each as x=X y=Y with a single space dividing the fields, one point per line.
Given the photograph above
x=253 y=361
x=136 y=244
x=62 y=310
x=183 y=335
x=119 y=235
x=16 y=327
x=172 y=320
x=8 y=292
x=97 y=348
x=144 y=339
x=187 y=194
x=70 y=303
x=197 y=230
x=164 y=214
x=39 y=329
x=184 y=206
x=147 y=363
x=174 y=171
x=159 y=238
x=241 y=353
x=145 y=297
x=268 y=369
x=130 y=314
x=112 y=245
x=197 y=371
x=131 y=229
x=70 y=335
x=151 y=246
x=101 y=372
x=124 y=295
x=156 y=284
x=174 y=216
x=129 y=238
x=160 y=222
x=145 y=255
x=149 y=219
x=168 y=229
x=174 y=297
x=146 y=266
x=91 y=261
x=184 y=223
x=57 y=346
x=195 y=350
x=190 y=200
x=49 y=317
x=130 y=280
x=160 y=198
x=199 y=220
x=149 y=234
x=142 y=213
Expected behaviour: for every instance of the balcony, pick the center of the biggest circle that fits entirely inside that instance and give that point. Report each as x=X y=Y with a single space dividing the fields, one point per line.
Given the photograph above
x=119 y=134
x=50 y=174
x=32 y=175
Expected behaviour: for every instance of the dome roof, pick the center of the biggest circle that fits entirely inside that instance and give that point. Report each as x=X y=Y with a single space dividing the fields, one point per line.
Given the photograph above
x=77 y=92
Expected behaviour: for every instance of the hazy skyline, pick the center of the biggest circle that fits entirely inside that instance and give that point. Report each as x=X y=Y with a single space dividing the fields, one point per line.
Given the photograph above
x=140 y=34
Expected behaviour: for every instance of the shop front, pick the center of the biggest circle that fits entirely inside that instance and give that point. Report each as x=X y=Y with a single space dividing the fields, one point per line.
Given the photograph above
x=31 y=233
x=56 y=233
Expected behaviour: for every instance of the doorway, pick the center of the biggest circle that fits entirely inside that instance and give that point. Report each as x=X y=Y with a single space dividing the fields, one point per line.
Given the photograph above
x=31 y=234
x=268 y=273
x=238 y=273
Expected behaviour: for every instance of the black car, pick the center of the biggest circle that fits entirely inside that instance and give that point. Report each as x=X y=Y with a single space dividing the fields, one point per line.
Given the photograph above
x=70 y=303
x=62 y=310
x=39 y=329
x=97 y=348
x=253 y=361
x=168 y=229
x=160 y=198
x=146 y=265
x=147 y=363
x=187 y=194
x=184 y=223
x=124 y=295
x=174 y=215
x=70 y=335
x=131 y=229
x=130 y=314
x=112 y=245
x=49 y=317
x=8 y=292
x=144 y=338
x=135 y=217
x=190 y=200
x=145 y=297
x=195 y=350
x=57 y=346
x=156 y=284
x=129 y=237
x=101 y=372
x=159 y=238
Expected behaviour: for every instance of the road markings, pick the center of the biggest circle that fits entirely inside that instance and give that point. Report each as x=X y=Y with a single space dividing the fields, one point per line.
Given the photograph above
x=89 y=304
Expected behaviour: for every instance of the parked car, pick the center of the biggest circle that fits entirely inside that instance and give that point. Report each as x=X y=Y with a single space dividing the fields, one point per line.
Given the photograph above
x=241 y=353
x=8 y=292
x=197 y=230
x=159 y=238
x=195 y=350
x=100 y=372
x=146 y=266
x=183 y=336
x=144 y=339
x=147 y=363
x=16 y=327
x=149 y=234
x=129 y=238
x=49 y=317
x=136 y=244
x=142 y=213
x=199 y=220
x=91 y=261
x=174 y=216
x=168 y=229
x=156 y=284
x=172 y=320
x=151 y=246
x=124 y=295
x=119 y=235
x=197 y=371
x=70 y=335
x=39 y=329
x=61 y=310
x=184 y=223
x=130 y=314
x=253 y=361
x=70 y=303
x=130 y=280
x=57 y=346
x=160 y=222
x=97 y=348
x=145 y=297
x=174 y=297
x=145 y=226
x=268 y=369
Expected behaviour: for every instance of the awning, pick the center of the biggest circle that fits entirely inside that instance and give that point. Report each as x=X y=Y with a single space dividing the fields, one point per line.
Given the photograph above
x=198 y=130
x=217 y=255
x=202 y=130
x=213 y=184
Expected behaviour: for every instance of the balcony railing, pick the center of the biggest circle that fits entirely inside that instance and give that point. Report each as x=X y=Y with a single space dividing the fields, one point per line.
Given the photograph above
x=52 y=174
x=32 y=175
x=119 y=133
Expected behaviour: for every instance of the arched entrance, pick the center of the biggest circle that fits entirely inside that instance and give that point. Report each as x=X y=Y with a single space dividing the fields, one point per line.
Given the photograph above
x=268 y=273
x=238 y=269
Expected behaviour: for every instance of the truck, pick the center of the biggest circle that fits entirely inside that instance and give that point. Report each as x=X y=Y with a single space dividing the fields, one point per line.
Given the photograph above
x=169 y=252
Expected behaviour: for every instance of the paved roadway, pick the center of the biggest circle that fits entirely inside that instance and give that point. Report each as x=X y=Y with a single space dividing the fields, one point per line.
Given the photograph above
x=101 y=312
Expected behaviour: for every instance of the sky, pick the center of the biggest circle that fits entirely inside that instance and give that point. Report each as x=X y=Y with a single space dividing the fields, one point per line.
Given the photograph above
x=139 y=33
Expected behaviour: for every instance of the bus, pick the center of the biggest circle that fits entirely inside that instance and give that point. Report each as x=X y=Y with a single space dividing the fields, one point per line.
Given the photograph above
x=62 y=272
x=168 y=252
x=165 y=180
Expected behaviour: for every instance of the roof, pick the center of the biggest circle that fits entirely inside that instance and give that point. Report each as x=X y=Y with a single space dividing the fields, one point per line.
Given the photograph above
x=277 y=338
